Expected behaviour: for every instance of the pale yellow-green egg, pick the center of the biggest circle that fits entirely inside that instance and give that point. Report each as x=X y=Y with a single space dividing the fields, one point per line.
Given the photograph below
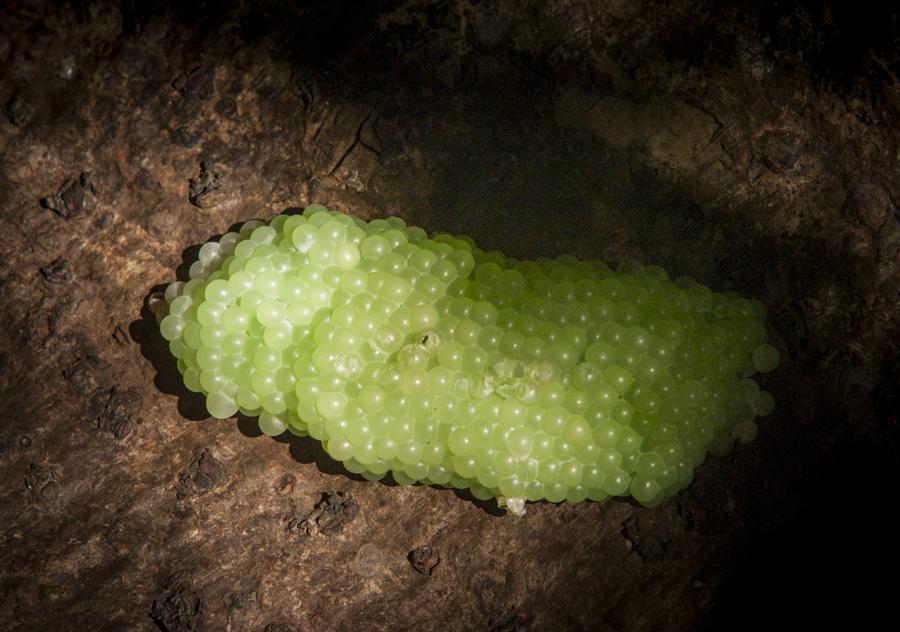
x=441 y=363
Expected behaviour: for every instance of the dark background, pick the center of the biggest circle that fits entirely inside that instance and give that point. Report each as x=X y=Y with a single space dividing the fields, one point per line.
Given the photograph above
x=751 y=145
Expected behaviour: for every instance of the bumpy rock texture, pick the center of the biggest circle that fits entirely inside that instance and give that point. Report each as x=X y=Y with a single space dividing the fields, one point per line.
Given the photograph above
x=754 y=149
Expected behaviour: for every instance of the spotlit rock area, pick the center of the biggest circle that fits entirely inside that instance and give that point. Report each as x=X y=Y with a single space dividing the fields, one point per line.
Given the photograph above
x=753 y=149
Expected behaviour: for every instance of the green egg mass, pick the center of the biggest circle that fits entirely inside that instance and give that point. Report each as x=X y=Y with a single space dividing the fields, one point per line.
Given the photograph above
x=441 y=363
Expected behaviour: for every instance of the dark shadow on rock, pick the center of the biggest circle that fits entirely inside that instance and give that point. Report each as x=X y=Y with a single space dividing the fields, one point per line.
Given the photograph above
x=309 y=450
x=284 y=438
x=188 y=256
x=488 y=506
x=811 y=559
x=145 y=332
x=248 y=426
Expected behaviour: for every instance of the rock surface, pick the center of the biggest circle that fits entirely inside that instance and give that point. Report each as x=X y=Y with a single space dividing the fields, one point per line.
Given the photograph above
x=752 y=148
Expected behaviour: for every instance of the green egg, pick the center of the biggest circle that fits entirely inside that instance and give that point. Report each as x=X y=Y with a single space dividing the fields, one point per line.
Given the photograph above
x=556 y=380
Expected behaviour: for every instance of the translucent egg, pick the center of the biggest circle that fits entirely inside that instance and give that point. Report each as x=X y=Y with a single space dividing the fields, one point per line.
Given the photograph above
x=434 y=360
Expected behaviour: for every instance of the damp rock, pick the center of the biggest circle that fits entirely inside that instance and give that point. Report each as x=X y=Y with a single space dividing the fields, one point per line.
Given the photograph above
x=869 y=204
x=242 y=601
x=181 y=607
x=196 y=83
x=330 y=515
x=509 y=622
x=6 y=47
x=206 y=190
x=57 y=271
x=780 y=151
x=19 y=111
x=67 y=68
x=83 y=375
x=314 y=84
x=204 y=474
x=302 y=527
x=649 y=546
x=77 y=196
x=284 y=486
x=424 y=559
x=120 y=335
x=42 y=481
x=226 y=108
x=185 y=137
x=115 y=410
x=336 y=510
x=707 y=509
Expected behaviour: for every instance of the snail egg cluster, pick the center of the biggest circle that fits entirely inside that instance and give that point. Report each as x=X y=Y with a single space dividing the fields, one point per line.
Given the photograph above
x=438 y=362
